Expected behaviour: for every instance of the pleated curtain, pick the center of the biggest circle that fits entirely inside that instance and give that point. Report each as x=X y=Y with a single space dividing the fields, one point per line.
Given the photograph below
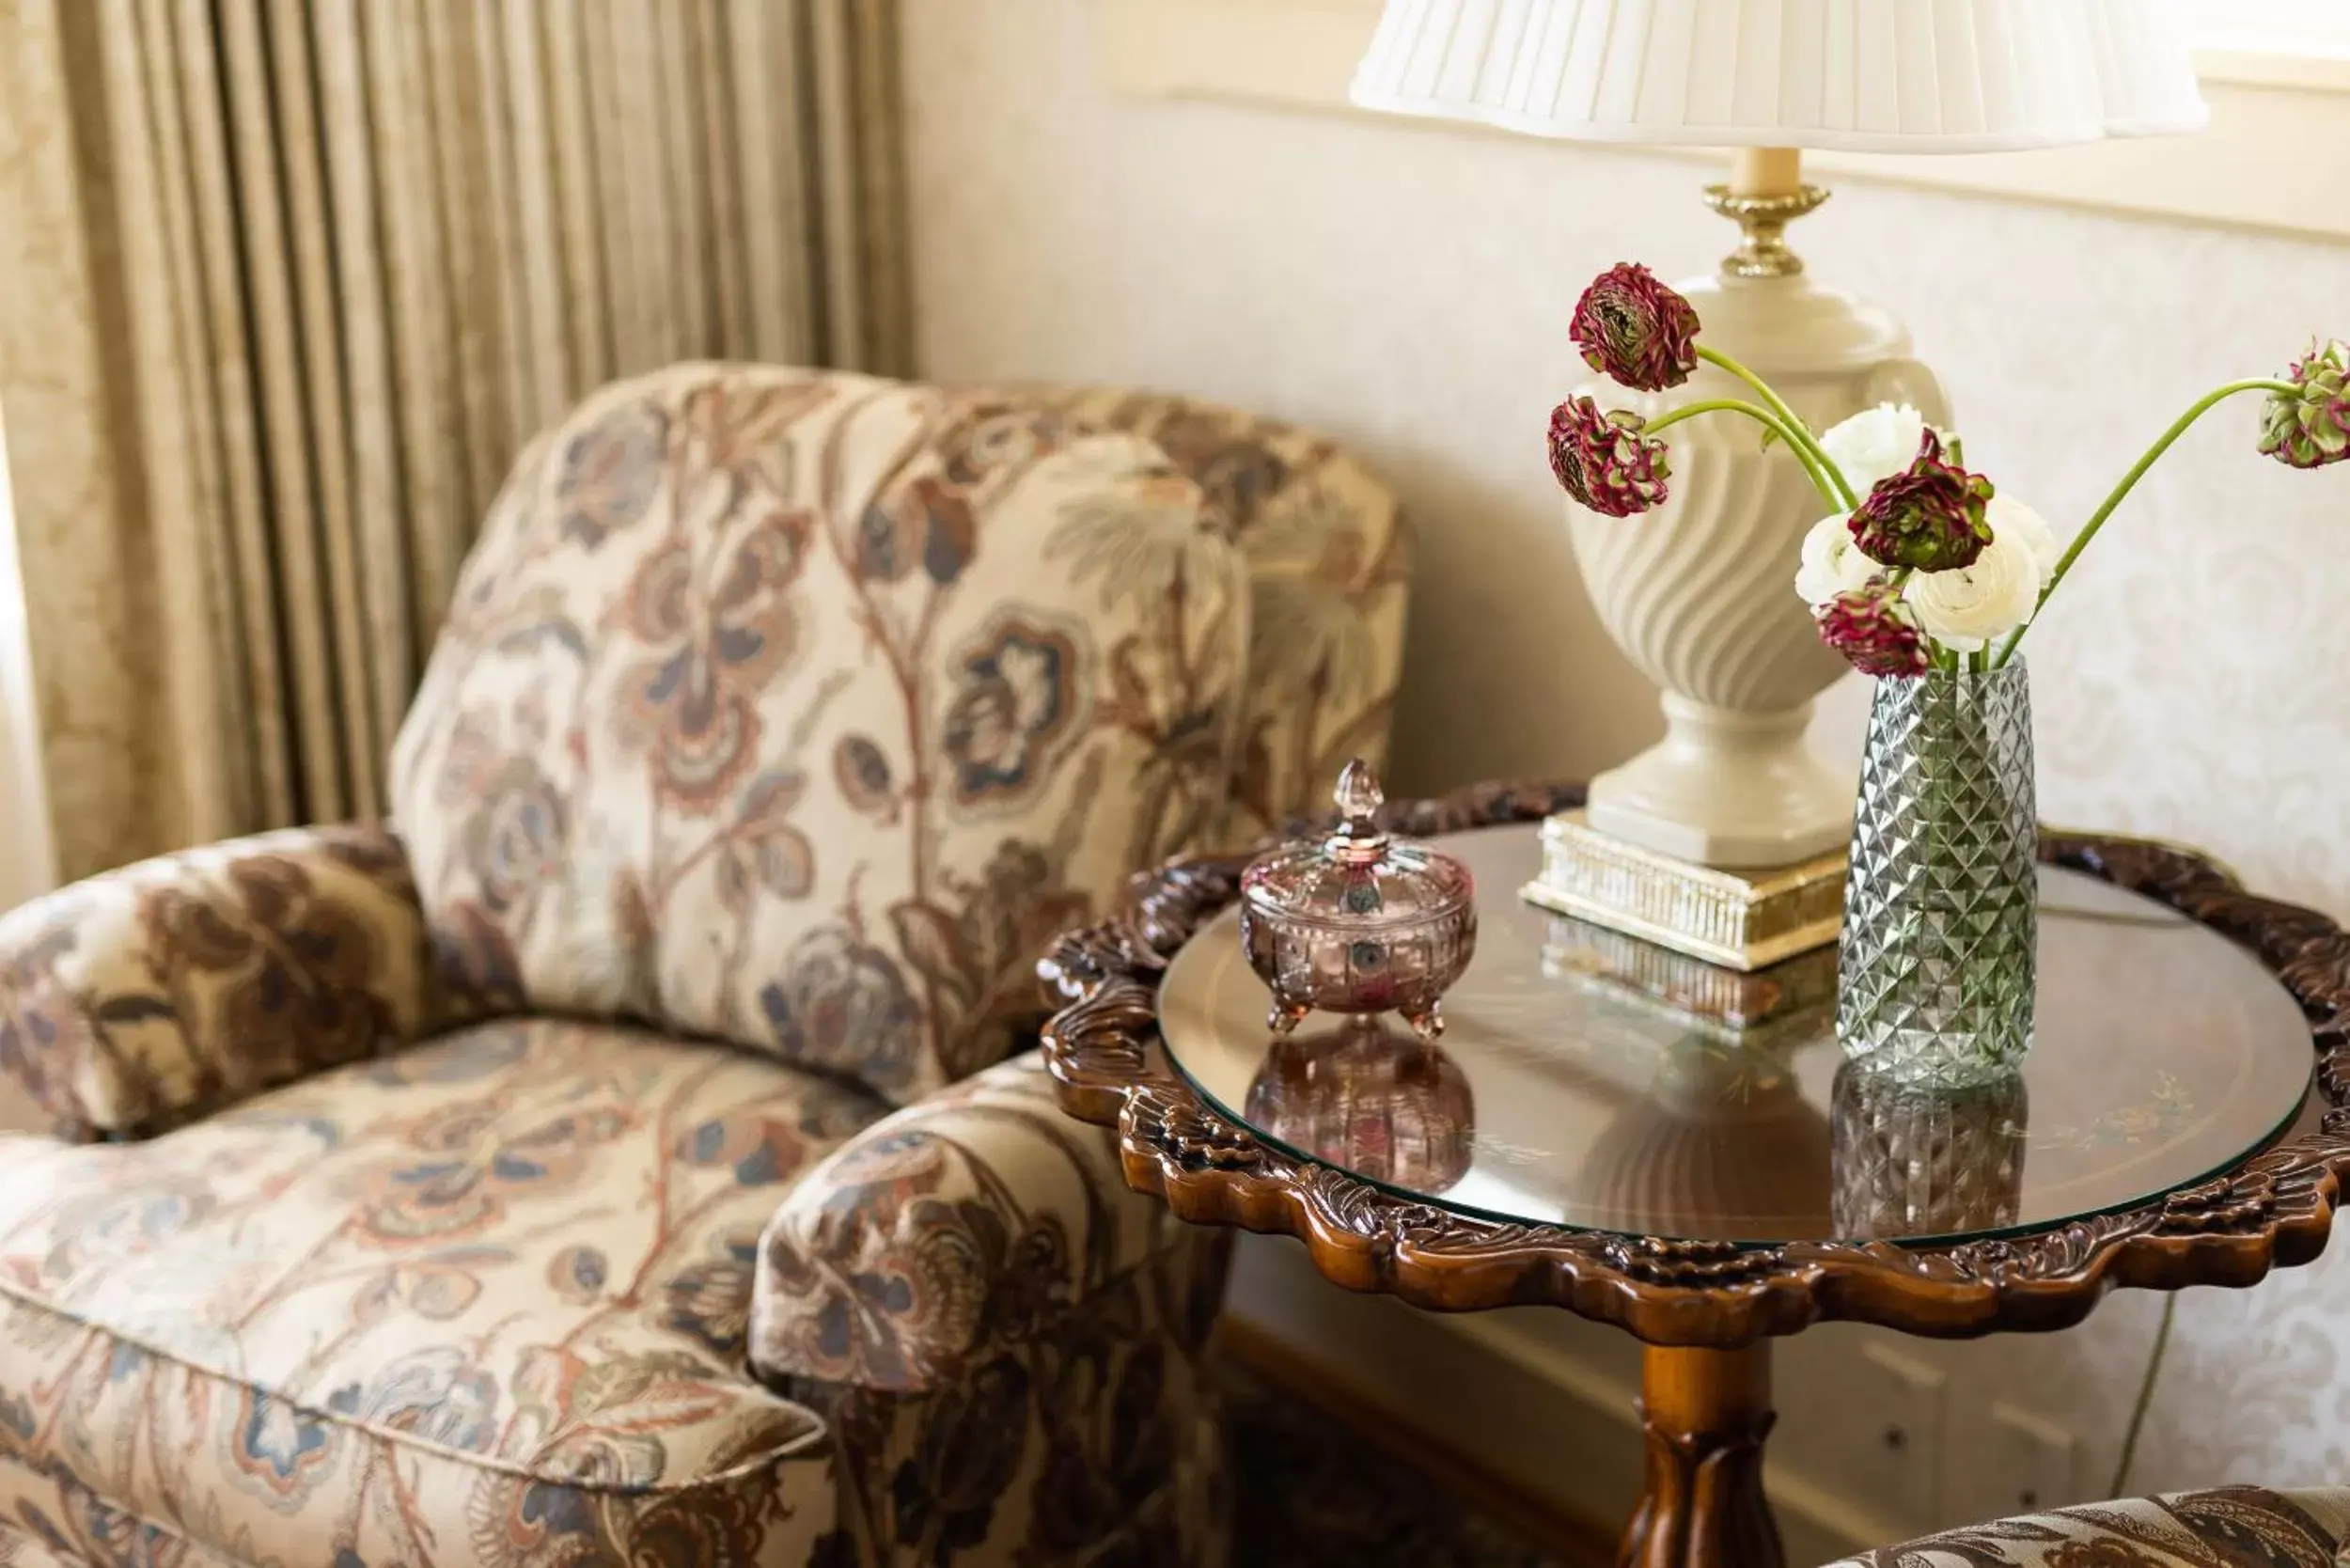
x=284 y=285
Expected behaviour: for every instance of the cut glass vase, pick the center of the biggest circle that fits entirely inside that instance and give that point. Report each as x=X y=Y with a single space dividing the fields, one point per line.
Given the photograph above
x=1935 y=965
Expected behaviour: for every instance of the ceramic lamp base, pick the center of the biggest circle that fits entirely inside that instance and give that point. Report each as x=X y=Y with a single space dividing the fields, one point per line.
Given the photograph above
x=1727 y=787
x=1699 y=591
x=1742 y=919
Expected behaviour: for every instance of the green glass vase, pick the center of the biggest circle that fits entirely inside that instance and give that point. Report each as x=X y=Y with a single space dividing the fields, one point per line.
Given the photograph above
x=1935 y=968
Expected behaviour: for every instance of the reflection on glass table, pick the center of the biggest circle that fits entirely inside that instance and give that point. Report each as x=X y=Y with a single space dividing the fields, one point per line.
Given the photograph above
x=1590 y=1083
x=1371 y=1097
x=1911 y=1160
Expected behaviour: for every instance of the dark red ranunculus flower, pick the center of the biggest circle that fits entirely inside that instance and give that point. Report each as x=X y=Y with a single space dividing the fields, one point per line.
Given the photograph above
x=1928 y=516
x=2312 y=428
x=1872 y=627
x=1633 y=328
x=1603 y=460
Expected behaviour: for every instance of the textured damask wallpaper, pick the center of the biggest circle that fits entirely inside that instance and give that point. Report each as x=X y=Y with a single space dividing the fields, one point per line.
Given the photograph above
x=1407 y=289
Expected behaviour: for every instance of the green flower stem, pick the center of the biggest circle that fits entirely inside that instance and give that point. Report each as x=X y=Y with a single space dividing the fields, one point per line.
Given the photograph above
x=2129 y=482
x=1799 y=432
x=1812 y=468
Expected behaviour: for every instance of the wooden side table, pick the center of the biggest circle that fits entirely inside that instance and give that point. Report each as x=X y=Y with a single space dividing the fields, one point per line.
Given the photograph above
x=1593 y=1139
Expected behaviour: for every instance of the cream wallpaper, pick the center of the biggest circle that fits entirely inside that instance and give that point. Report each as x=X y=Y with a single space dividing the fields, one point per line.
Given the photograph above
x=1406 y=289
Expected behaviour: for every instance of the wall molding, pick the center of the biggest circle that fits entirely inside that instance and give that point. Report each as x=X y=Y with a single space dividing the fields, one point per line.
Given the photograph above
x=2261 y=165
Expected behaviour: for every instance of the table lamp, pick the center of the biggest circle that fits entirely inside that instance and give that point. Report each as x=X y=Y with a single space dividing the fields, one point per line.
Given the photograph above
x=1726 y=839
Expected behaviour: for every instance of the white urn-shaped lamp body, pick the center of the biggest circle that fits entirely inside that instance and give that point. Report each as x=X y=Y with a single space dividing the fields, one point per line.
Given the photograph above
x=1700 y=592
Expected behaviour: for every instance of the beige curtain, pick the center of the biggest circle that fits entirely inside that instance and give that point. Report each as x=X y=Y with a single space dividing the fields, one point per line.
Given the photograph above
x=283 y=285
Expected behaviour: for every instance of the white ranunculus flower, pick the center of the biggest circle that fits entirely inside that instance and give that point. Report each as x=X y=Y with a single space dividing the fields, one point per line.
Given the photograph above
x=2014 y=520
x=1875 y=444
x=1968 y=608
x=1832 y=564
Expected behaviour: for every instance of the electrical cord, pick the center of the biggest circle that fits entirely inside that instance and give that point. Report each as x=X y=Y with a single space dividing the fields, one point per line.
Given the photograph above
x=2145 y=1398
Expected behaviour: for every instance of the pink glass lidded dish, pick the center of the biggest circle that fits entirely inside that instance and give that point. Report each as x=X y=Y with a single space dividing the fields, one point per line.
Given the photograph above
x=1358 y=921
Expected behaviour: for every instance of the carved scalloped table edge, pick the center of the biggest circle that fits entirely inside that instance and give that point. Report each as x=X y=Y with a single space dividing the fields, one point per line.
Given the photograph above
x=2274 y=1209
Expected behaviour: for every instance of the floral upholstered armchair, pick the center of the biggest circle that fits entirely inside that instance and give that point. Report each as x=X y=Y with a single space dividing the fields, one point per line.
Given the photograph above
x=623 y=1159
x=2228 y=1526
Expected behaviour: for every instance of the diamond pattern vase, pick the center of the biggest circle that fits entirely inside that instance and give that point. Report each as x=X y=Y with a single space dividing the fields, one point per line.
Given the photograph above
x=1935 y=974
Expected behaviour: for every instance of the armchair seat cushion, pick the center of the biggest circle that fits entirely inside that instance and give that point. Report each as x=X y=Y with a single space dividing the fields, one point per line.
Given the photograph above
x=481 y=1302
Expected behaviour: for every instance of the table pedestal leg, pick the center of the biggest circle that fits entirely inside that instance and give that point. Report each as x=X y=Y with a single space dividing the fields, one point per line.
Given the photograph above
x=1707 y=1411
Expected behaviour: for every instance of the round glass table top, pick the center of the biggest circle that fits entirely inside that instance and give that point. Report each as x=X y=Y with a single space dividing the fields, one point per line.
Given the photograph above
x=1590 y=1080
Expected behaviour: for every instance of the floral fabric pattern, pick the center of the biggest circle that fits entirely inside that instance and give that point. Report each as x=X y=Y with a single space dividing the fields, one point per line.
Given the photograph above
x=2228 y=1527
x=531 y=1267
x=795 y=712
x=799 y=708
x=1329 y=563
x=1002 y=1335
x=481 y=1303
x=969 y=1218
x=59 y=1523
x=1094 y=1443
x=137 y=1000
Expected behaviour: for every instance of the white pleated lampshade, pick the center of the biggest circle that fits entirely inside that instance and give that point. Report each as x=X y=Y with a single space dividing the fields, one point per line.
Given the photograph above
x=1863 y=76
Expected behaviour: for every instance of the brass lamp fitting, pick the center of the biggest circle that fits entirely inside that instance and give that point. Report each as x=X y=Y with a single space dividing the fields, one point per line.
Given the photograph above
x=1764 y=220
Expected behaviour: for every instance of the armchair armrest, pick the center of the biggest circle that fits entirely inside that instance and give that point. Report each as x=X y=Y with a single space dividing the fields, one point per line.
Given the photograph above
x=159 y=993
x=1003 y=1339
x=943 y=1237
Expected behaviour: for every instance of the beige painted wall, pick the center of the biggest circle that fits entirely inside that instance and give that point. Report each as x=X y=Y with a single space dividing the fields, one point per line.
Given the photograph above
x=1406 y=289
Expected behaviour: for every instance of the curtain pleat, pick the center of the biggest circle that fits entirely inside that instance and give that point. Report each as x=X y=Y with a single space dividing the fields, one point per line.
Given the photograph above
x=145 y=147
x=874 y=275
x=776 y=192
x=330 y=262
x=248 y=637
x=361 y=327
x=314 y=762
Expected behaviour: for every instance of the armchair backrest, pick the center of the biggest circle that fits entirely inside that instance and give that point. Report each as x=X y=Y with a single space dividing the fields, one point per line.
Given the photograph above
x=801 y=709
x=1329 y=568
x=797 y=708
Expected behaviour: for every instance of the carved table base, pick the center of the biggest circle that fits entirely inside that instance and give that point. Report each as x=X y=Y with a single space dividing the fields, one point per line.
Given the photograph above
x=1706 y=1412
